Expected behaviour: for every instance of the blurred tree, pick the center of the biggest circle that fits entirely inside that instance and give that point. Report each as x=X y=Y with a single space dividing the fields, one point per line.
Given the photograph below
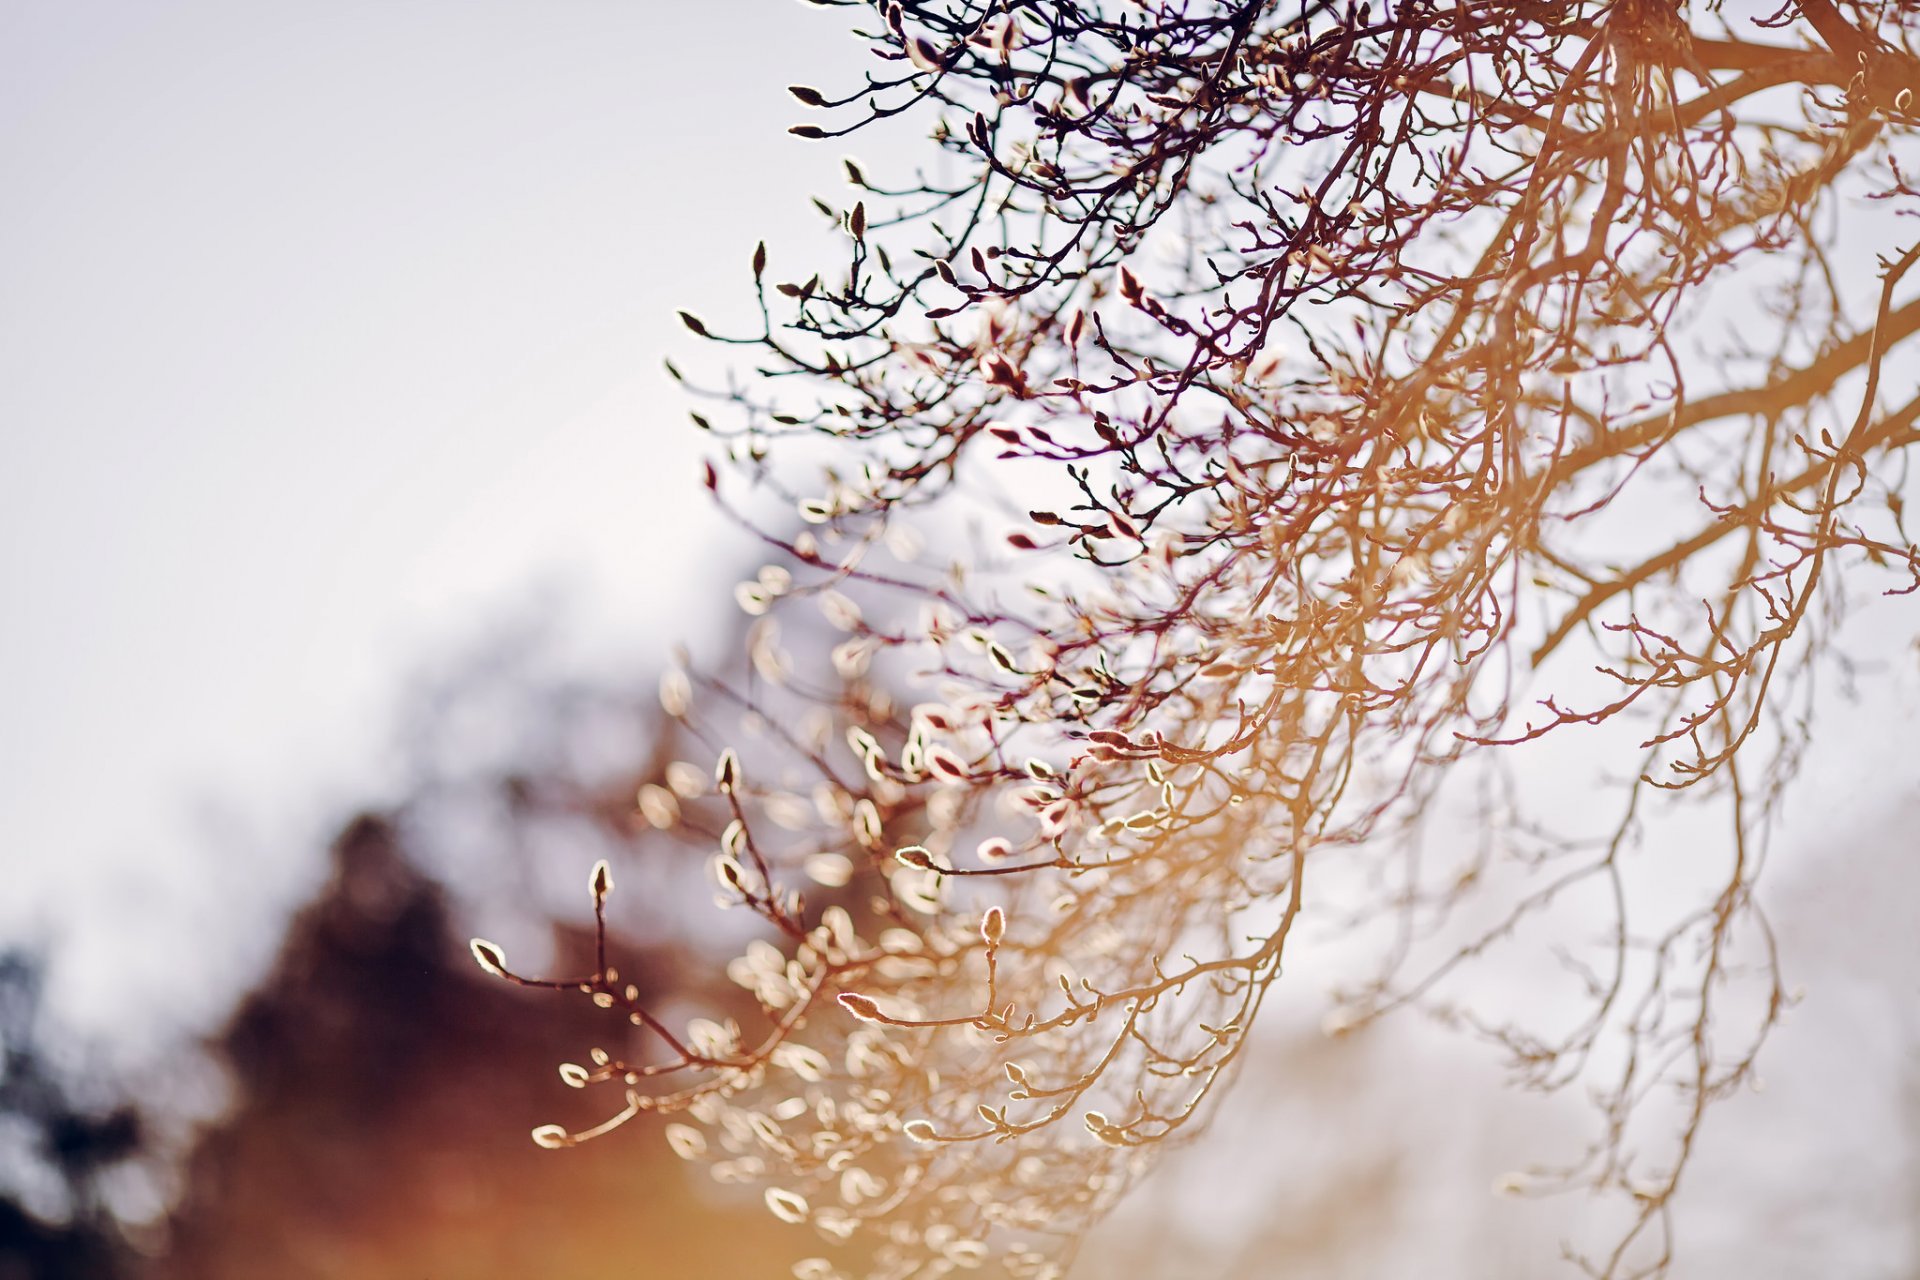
x=67 y=1144
x=376 y=1080
x=1306 y=398
x=375 y=1076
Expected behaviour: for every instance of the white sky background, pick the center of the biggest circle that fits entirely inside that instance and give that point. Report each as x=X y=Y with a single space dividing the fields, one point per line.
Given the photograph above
x=326 y=331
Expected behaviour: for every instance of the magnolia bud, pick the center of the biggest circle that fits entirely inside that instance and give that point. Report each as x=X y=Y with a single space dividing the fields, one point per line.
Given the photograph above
x=491 y=958
x=993 y=926
x=860 y=1006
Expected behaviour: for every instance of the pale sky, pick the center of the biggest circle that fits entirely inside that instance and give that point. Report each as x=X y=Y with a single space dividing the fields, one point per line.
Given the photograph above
x=329 y=330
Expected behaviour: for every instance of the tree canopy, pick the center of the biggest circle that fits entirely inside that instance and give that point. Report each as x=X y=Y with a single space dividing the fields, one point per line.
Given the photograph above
x=1310 y=403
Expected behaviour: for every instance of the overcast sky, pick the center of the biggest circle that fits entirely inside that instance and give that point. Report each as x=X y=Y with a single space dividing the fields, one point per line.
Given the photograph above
x=328 y=331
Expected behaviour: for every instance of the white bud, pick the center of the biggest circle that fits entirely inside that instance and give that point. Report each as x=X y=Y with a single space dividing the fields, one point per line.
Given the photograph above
x=787 y=1206
x=993 y=926
x=859 y=1006
x=491 y=958
x=676 y=692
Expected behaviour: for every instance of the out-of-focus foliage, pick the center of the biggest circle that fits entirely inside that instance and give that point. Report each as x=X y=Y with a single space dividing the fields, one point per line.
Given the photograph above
x=62 y=1141
x=378 y=1089
x=382 y=1094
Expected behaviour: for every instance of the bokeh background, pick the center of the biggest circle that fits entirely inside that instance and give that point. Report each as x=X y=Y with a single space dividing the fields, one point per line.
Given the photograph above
x=346 y=520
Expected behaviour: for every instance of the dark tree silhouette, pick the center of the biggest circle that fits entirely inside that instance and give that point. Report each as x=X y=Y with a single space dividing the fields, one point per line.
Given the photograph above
x=375 y=1080
x=71 y=1138
x=1306 y=399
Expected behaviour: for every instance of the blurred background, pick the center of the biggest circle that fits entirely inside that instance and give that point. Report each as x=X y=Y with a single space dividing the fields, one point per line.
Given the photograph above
x=346 y=521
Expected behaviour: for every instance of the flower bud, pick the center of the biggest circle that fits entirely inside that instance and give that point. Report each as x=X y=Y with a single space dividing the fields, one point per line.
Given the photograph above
x=860 y=1006
x=993 y=926
x=491 y=958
